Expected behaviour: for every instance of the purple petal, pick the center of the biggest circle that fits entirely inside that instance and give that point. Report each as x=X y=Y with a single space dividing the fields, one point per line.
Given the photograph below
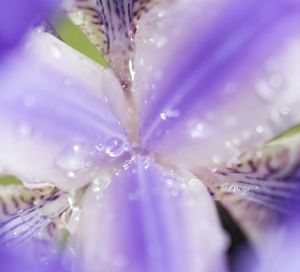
x=56 y=123
x=224 y=78
x=280 y=251
x=15 y=261
x=148 y=219
x=16 y=16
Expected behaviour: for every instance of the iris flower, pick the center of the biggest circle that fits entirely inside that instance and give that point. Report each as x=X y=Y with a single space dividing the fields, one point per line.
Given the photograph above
x=129 y=159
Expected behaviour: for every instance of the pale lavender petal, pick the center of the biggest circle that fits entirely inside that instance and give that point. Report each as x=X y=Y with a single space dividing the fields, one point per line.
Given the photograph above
x=56 y=123
x=221 y=77
x=148 y=219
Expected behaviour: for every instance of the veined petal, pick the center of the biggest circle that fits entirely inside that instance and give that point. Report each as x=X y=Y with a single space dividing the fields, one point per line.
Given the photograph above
x=56 y=125
x=220 y=78
x=262 y=189
x=148 y=219
x=111 y=26
x=26 y=221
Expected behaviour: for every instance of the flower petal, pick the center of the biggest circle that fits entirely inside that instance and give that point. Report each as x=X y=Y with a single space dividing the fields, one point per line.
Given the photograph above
x=261 y=189
x=223 y=79
x=16 y=17
x=148 y=219
x=56 y=124
x=28 y=219
x=111 y=26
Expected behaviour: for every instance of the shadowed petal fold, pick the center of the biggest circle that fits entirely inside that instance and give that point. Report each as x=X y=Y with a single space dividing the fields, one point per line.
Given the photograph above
x=261 y=189
x=16 y=17
x=221 y=78
x=57 y=125
x=147 y=219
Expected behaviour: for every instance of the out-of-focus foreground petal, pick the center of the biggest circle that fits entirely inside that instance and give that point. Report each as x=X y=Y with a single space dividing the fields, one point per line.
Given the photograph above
x=111 y=27
x=148 y=219
x=280 y=251
x=261 y=189
x=17 y=15
x=217 y=77
x=56 y=123
x=13 y=261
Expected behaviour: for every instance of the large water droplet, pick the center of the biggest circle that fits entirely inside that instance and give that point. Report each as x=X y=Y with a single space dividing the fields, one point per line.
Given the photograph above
x=115 y=147
x=72 y=159
x=55 y=51
x=25 y=129
x=73 y=222
x=168 y=114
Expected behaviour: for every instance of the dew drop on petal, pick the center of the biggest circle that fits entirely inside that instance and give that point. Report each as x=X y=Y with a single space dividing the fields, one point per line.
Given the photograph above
x=55 y=51
x=259 y=129
x=72 y=159
x=115 y=147
x=25 y=129
x=168 y=114
x=74 y=219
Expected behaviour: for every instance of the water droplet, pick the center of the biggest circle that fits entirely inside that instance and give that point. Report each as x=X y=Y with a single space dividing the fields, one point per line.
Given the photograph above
x=230 y=88
x=259 y=129
x=175 y=191
x=115 y=147
x=99 y=185
x=170 y=183
x=55 y=51
x=197 y=132
x=133 y=196
x=25 y=129
x=263 y=90
x=72 y=223
x=72 y=159
x=284 y=110
x=131 y=70
x=168 y=114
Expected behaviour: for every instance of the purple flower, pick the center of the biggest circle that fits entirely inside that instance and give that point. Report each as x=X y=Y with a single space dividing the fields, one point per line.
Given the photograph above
x=121 y=155
x=16 y=16
x=280 y=251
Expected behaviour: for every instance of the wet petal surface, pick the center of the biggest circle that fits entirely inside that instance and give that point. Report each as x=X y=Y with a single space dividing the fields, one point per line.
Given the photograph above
x=234 y=83
x=56 y=123
x=148 y=219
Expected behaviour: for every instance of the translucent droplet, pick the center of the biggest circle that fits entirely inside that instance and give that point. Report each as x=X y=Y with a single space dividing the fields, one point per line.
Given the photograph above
x=170 y=183
x=197 y=132
x=175 y=191
x=284 y=110
x=276 y=81
x=230 y=88
x=25 y=129
x=168 y=114
x=74 y=219
x=55 y=51
x=259 y=129
x=99 y=185
x=115 y=147
x=72 y=159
